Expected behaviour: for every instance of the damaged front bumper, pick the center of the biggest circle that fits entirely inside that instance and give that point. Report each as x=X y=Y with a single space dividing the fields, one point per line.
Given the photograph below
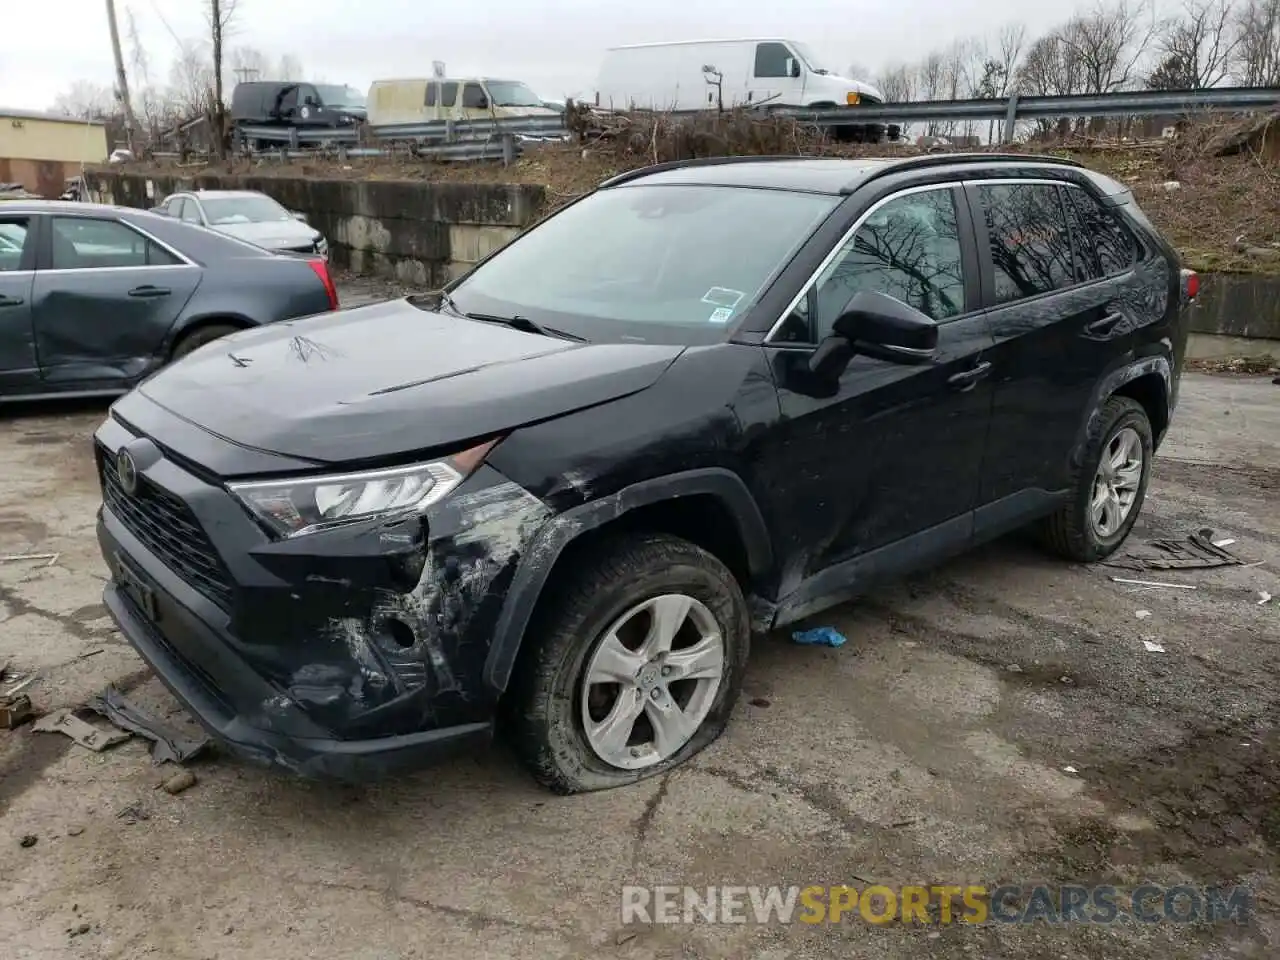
x=317 y=654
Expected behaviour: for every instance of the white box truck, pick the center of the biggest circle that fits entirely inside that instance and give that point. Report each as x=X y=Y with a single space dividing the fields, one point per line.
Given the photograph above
x=707 y=74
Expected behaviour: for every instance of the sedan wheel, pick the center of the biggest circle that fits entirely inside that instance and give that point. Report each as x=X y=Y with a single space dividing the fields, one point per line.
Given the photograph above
x=1117 y=482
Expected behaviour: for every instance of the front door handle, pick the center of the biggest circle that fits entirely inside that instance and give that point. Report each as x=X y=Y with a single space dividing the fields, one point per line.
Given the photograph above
x=968 y=379
x=147 y=290
x=11 y=301
x=1105 y=325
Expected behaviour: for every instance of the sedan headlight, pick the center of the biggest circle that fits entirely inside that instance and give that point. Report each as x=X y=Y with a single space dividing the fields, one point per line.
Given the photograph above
x=302 y=505
x=322 y=246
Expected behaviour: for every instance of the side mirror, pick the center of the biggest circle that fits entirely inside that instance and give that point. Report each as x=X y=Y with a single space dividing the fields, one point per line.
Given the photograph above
x=877 y=325
x=793 y=67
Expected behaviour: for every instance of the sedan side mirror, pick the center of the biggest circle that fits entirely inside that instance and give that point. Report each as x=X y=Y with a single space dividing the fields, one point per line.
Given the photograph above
x=880 y=326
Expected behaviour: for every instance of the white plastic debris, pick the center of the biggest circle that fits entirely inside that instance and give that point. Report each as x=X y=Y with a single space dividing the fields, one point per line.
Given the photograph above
x=1266 y=597
x=1142 y=614
x=1224 y=543
x=1069 y=769
x=1171 y=185
x=1154 y=583
x=1152 y=646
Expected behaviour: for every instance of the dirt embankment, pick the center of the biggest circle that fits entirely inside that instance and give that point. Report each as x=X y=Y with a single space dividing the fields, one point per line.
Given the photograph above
x=1221 y=212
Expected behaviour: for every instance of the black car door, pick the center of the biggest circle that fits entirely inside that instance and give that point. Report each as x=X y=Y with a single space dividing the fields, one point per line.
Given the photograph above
x=104 y=300
x=878 y=472
x=1059 y=327
x=18 y=368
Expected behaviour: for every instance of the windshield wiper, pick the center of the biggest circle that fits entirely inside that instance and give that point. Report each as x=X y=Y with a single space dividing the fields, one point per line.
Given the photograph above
x=528 y=326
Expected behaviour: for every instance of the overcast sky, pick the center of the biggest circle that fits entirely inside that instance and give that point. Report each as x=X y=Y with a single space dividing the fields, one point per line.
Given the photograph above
x=554 y=45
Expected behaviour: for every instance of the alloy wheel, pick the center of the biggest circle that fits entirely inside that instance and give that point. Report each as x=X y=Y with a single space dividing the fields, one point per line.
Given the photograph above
x=1116 y=484
x=651 y=681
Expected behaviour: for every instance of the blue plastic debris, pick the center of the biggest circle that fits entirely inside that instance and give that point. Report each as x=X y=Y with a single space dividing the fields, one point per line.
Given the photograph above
x=819 y=637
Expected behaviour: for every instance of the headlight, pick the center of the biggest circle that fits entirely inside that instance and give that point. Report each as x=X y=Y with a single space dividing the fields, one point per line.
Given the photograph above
x=305 y=505
x=322 y=245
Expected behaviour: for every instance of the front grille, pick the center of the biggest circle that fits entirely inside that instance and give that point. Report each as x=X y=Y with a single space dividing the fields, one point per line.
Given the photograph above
x=168 y=528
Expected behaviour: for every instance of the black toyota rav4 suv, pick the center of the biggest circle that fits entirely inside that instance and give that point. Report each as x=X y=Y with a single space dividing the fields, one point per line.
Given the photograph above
x=706 y=400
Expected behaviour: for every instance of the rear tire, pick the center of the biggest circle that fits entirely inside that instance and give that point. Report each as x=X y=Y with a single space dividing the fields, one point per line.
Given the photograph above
x=606 y=616
x=1081 y=530
x=194 y=340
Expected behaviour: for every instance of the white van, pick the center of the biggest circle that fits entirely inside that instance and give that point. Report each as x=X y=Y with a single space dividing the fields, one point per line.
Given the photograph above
x=438 y=98
x=682 y=75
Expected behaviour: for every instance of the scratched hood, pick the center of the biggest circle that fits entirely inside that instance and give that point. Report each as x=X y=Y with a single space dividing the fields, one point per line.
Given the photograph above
x=391 y=379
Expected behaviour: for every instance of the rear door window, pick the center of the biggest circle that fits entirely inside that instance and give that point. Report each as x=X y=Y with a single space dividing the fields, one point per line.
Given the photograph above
x=448 y=94
x=433 y=92
x=1105 y=247
x=1029 y=239
x=81 y=243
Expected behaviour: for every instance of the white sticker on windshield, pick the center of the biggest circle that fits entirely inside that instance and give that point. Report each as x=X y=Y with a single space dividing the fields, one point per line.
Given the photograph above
x=723 y=297
x=720 y=315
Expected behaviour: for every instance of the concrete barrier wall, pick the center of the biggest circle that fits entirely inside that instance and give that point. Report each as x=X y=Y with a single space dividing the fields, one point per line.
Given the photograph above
x=424 y=234
x=419 y=233
x=1238 y=305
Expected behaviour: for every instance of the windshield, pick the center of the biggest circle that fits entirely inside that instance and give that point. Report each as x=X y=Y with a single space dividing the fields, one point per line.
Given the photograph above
x=340 y=96
x=227 y=210
x=664 y=264
x=806 y=54
x=508 y=93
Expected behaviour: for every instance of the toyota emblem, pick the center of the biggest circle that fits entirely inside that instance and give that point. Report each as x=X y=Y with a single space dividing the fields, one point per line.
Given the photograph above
x=127 y=471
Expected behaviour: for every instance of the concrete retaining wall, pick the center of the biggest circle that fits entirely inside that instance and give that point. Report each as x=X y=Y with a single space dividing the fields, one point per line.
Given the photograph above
x=1238 y=305
x=423 y=234
x=419 y=233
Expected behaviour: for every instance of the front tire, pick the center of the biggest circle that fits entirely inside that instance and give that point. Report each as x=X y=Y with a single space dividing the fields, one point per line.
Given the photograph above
x=1108 y=487
x=633 y=667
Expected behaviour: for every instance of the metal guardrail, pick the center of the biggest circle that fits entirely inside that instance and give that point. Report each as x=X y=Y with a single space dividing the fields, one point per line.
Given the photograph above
x=477 y=139
x=1014 y=108
x=548 y=127
x=505 y=148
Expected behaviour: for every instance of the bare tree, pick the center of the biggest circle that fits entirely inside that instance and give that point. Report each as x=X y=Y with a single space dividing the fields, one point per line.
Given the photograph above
x=290 y=68
x=86 y=101
x=1197 y=46
x=1257 y=43
x=249 y=63
x=898 y=83
x=191 y=80
x=1109 y=43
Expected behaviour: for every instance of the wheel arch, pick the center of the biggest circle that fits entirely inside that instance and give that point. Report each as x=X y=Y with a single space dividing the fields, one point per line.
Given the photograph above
x=710 y=507
x=1148 y=381
x=190 y=325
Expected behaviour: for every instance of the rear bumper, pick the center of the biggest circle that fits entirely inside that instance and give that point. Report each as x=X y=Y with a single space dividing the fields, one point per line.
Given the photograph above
x=237 y=706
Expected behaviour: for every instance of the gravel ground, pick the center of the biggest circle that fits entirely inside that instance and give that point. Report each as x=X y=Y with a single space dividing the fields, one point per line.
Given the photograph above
x=931 y=749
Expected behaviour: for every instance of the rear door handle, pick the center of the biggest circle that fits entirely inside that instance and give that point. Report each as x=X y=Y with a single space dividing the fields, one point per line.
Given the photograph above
x=11 y=301
x=147 y=290
x=968 y=379
x=1106 y=324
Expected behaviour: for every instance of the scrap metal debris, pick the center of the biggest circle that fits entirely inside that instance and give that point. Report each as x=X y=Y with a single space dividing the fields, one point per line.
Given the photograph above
x=1197 y=552
x=28 y=841
x=819 y=637
x=14 y=711
x=168 y=743
x=1153 y=583
x=85 y=734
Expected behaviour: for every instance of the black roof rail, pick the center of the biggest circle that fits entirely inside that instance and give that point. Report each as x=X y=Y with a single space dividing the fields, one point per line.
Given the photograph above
x=949 y=159
x=636 y=174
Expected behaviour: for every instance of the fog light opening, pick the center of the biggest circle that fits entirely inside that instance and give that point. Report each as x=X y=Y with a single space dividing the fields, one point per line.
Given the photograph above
x=395 y=634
